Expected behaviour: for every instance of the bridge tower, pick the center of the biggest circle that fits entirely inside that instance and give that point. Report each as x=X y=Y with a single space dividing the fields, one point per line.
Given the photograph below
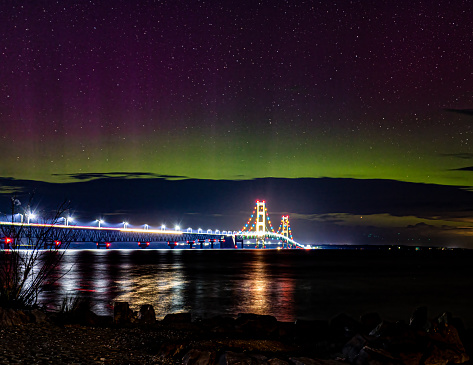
x=259 y=223
x=285 y=225
x=285 y=228
x=260 y=217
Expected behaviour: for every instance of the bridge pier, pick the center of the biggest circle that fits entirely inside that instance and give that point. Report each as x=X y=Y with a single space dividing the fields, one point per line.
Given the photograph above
x=239 y=240
x=201 y=242
x=191 y=243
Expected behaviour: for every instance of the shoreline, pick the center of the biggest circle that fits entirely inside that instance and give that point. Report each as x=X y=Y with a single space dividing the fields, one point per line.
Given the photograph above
x=80 y=336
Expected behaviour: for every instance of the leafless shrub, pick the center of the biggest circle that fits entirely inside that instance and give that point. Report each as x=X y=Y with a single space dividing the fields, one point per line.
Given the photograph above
x=29 y=253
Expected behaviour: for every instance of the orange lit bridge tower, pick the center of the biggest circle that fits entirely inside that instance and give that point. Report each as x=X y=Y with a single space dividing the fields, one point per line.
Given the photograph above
x=259 y=223
x=285 y=229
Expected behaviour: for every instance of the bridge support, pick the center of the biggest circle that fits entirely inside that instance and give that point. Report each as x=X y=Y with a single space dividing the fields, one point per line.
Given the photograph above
x=239 y=240
x=260 y=221
x=212 y=242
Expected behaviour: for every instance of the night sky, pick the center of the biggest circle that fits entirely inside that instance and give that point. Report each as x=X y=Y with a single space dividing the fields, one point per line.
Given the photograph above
x=354 y=117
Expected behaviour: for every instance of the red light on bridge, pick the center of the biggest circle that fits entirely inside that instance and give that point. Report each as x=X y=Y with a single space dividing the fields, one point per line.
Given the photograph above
x=57 y=243
x=147 y=243
x=107 y=244
x=8 y=240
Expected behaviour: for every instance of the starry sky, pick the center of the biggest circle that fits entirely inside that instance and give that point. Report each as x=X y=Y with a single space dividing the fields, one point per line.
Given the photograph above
x=267 y=96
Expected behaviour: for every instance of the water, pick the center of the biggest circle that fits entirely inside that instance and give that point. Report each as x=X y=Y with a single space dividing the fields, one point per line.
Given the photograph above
x=288 y=284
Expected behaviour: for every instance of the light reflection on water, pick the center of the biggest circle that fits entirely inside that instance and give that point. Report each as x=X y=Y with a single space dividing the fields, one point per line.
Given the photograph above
x=287 y=284
x=160 y=284
x=204 y=282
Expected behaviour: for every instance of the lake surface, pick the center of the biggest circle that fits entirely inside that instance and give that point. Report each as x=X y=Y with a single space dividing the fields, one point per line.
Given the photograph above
x=288 y=284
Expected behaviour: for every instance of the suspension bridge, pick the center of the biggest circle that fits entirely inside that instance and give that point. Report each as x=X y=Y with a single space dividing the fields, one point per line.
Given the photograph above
x=258 y=232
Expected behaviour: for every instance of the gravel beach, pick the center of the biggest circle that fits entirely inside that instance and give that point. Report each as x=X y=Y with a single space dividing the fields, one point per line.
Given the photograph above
x=72 y=344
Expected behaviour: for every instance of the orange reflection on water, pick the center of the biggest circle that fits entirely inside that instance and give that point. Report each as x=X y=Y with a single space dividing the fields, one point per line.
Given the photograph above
x=163 y=289
x=266 y=290
x=253 y=289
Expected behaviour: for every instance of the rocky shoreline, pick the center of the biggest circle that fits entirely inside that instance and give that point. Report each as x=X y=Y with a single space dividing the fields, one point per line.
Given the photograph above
x=79 y=336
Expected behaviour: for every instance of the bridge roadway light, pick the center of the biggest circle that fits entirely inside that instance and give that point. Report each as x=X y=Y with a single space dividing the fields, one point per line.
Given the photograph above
x=199 y=230
x=67 y=220
x=100 y=221
x=146 y=226
x=21 y=217
x=30 y=216
x=177 y=228
x=125 y=224
x=163 y=227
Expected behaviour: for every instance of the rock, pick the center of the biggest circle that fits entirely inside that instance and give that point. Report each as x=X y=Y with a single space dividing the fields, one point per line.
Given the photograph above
x=447 y=346
x=399 y=338
x=418 y=320
x=122 y=314
x=412 y=358
x=447 y=319
x=286 y=330
x=169 y=350
x=177 y=318
x=309 y=361
x=256 y=325
x=309 y=331
x=343 y=327
x=219 y=324
x=87 y=318
x=198 y=357
x=444 y=356
x=147 y=314
x=374 y=356
x=369 y=321
x=276 y=361
x=38 y=316
x=353 y=347
x=382 y=329
x=235 y=358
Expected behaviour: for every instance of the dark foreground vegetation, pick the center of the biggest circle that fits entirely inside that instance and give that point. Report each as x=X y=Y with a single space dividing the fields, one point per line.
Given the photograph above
x=75 y=335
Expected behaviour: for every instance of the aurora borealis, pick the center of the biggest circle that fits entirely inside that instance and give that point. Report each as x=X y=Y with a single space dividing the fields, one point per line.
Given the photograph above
x=205 y=90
